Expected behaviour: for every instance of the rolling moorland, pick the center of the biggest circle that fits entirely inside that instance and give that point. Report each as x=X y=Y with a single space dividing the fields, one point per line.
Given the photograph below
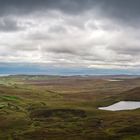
x=66 y=108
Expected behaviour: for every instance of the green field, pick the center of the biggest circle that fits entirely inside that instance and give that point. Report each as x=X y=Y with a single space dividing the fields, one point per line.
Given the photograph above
x=66 y=108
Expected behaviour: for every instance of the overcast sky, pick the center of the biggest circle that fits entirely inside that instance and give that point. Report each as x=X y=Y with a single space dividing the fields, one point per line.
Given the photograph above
x=95 y=34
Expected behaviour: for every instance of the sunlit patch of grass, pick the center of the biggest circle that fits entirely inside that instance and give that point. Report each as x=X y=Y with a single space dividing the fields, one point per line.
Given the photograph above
x=9 y=98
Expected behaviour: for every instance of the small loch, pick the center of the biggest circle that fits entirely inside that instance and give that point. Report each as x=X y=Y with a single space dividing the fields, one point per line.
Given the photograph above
x=122 y=105
x=114 y=80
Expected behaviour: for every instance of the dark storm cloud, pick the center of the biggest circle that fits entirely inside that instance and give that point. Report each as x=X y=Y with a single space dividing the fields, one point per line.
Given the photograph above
x=70 y=6
x=122 y=8
x=115 y=8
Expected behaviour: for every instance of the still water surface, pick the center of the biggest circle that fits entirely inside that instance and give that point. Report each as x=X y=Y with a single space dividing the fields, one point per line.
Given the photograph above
x=122 y=105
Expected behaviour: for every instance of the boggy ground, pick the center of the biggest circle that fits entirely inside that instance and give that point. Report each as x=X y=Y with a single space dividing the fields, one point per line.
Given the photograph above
x=66 y=108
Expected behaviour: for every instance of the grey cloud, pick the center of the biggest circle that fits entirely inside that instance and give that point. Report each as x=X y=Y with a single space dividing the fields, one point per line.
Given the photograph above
x=127 y=49
x=38 y=36
x=24 y=47
x=72 y=32
x=9 y=25
x=61 y=50
x=57 y=29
